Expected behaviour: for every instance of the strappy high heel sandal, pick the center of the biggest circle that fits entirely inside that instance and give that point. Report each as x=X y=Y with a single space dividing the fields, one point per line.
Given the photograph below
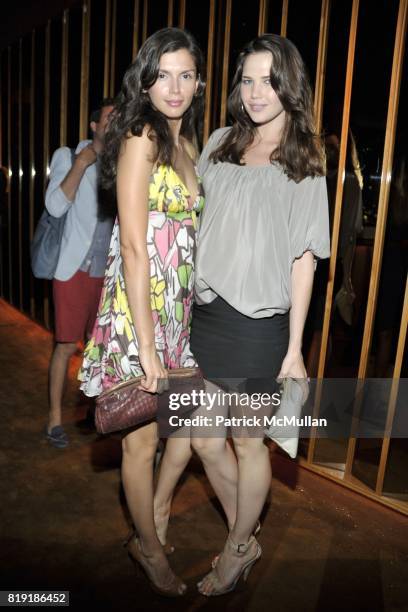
x=174 y=586
x=255 y=532
x=249 y=553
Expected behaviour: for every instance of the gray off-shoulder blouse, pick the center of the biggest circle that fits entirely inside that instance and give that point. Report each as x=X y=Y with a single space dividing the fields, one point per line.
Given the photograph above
x=255 y=223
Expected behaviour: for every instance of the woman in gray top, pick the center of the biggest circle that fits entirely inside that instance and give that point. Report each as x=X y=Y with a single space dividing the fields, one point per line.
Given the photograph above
x=264 y=223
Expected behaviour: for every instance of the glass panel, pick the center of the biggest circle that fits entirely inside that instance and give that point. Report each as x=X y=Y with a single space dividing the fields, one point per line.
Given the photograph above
x=55 y=84
x=368 y=113
x=244 y=28
x=4 y=220
x=74 y=74
x=96 y=53
x=305 y=39
x=157 y=14
x=394 y=267
x=14 y=181
x=124 y=39
x=26 y=169
x=39 y=103
x=327 y=451
x=274 y=20
x=197 y=19
x=395 y=252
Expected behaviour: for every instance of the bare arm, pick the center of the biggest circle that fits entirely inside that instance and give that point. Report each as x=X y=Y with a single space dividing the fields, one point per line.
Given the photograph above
x=302 y=283
x=65 y=178
x=133 y=174
x=70 y=184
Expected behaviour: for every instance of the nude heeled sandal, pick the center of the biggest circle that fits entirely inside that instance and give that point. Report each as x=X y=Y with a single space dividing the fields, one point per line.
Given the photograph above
x=174 y=588
x=255 y=532
x=240 y=550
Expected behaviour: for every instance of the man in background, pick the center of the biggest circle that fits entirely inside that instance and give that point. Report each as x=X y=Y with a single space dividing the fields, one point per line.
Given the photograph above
x=78 y=279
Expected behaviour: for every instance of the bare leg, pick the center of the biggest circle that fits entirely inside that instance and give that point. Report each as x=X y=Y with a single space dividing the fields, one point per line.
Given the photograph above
x=254 y=478
x=219 y=463
x=176 y=456
x=139 y=448
x=218 y=458
x=61 y=355
x=254 y=481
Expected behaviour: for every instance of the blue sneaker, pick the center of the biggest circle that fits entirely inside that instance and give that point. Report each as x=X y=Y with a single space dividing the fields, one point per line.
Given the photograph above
x=57 y=437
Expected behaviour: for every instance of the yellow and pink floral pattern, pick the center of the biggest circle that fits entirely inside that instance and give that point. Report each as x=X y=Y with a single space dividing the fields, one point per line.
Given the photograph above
x=111 y=355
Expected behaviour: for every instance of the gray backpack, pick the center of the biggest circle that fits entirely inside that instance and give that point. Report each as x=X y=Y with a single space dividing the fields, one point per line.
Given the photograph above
x=46 y=243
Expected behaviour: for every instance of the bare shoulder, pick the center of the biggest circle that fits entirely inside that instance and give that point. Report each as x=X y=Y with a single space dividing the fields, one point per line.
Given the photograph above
x=142 y=146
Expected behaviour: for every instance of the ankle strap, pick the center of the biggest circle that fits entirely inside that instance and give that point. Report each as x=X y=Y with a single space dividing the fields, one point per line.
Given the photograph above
x=242 y=547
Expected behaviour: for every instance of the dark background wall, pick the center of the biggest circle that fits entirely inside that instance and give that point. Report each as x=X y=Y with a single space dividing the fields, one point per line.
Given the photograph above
x=18 y=17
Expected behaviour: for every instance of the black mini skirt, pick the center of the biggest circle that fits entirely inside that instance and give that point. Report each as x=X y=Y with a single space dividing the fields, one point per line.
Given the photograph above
x=228 y=344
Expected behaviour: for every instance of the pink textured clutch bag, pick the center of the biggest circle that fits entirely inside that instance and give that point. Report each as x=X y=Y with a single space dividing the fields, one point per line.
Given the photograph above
x=126 y=405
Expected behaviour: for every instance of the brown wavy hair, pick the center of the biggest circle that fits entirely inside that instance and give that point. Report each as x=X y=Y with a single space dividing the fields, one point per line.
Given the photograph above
x=134 y=110
x=300 y=152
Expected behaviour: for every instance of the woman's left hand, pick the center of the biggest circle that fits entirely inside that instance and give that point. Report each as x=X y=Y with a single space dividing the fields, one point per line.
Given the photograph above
x=292 y=367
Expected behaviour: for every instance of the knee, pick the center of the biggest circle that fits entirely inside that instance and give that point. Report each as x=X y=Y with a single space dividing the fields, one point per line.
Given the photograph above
x=178 y=451
x=248 y=448
x=208 y=449
x=139 y=448
x=66 y=349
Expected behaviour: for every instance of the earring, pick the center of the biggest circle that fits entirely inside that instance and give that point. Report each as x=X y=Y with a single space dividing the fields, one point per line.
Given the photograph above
x=242 y=107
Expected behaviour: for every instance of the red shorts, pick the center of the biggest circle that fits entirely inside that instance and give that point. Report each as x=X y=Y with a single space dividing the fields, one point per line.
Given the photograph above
x=76 y=304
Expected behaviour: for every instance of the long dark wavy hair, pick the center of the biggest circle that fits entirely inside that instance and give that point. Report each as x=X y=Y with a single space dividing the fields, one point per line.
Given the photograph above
x=133 y=108
x=300 y=152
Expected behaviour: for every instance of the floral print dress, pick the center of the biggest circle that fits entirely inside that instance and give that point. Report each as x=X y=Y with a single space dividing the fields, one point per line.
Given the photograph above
x=112 y=355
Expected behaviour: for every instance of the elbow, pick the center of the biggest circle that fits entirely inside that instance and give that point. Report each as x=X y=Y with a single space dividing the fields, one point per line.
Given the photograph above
x=133 y=254
x=304 y=267
x=55 y=204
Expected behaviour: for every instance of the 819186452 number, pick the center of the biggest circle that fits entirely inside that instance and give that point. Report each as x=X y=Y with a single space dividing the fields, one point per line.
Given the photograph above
x=34 y=598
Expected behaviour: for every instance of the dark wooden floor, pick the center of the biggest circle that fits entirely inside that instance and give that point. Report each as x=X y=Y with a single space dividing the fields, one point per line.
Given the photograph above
x=63 y=517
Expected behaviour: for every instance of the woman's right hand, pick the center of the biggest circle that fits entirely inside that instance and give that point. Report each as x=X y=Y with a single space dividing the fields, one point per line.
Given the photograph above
x=153 y=369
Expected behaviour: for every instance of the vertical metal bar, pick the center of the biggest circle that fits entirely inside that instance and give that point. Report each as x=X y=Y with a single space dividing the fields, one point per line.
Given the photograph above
x=106 y=66
x=393 y=395
x=182 y=14
x=84 y=91
x=64 y=79
x=10 y=258
x=32 y=162
x=210 y=68
x=46 y=146
x=136 y=12
x=144 y=31
x=170 y=13
x=263 y=16
x=321 y=64
x=386 y=172
x=113 y=50
x=227 y=37
x=20 y=172
x=284 y=22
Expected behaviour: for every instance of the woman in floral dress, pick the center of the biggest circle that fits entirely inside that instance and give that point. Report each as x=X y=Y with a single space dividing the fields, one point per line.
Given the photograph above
x=143 y=321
